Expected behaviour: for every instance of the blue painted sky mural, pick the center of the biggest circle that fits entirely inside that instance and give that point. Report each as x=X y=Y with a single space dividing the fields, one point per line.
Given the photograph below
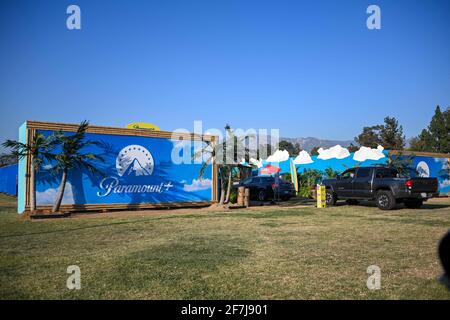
x=135 y=170
x=425 y=166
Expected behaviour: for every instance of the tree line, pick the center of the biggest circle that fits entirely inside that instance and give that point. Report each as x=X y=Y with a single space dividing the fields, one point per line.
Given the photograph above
x=434 y=138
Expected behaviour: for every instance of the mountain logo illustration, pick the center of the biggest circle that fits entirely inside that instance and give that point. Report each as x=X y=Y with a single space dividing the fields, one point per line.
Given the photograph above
x=134 y=160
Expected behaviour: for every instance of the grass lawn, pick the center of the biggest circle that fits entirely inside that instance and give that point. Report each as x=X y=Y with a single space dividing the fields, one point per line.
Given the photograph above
x=266 y=253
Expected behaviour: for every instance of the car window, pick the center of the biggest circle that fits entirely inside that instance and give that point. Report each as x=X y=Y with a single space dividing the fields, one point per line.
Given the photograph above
x=348 y=174
x=363 y=173
x=247 y=181
x=385 y=173
x=267 y=180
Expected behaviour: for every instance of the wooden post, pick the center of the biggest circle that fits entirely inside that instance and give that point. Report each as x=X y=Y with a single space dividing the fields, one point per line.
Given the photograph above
x=247 y=198
x=240 y=196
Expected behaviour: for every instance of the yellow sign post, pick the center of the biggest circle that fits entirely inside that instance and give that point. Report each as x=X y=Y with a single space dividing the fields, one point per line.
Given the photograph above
x=321 y=196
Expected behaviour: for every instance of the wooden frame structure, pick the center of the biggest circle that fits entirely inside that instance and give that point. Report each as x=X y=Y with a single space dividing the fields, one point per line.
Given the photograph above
x=419 y=154
x=33 y=126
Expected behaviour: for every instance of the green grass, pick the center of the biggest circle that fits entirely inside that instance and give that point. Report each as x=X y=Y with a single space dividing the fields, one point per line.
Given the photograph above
x=267 y=253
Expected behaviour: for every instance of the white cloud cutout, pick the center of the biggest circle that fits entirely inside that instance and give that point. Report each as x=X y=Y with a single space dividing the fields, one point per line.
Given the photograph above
x=278 y=156
x=197 y=185
x=336 y=152
x=256 y=162
x=49 y=196
x=303 y=158
x=365 y=153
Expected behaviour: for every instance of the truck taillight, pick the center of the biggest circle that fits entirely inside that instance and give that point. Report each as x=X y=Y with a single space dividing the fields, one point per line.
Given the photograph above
x=409 y=183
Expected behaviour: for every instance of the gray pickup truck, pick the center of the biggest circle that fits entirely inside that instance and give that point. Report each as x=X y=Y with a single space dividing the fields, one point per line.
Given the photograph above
x=382 y=184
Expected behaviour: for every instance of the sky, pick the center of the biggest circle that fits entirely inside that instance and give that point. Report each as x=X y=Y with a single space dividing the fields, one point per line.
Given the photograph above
x=308 y=68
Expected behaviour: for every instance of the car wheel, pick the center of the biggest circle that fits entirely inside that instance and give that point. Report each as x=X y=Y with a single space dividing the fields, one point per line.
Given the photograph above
x=330 y=198
x=352 y=202
x=262 y=195
x=413 y=204
x=385 y=200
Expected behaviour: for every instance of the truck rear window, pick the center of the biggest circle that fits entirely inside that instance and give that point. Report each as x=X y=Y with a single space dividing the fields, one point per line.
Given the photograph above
x=386 y=173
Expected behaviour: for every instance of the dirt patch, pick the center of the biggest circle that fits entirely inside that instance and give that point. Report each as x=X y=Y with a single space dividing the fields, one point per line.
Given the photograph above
x=183 y=211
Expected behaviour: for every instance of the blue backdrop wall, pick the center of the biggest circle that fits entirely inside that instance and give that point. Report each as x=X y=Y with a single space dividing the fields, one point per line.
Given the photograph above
x=135 y=170
x=426 y=166
x=8 y=180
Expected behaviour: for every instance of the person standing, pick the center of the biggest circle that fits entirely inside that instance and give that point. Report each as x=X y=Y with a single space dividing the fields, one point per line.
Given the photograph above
x=276 y=187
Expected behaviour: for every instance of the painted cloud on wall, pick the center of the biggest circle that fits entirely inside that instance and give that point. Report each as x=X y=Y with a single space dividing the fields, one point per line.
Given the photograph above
x=303 y=158
x=197 y=185
x=336 y=152
x=365 y=153
x=279 y=156
x=49 y=196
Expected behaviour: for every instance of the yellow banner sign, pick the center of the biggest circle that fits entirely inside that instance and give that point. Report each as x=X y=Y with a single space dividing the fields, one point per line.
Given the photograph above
x=143 y=125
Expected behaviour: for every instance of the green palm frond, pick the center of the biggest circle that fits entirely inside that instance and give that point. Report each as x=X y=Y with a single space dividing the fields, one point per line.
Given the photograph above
x=71 y=147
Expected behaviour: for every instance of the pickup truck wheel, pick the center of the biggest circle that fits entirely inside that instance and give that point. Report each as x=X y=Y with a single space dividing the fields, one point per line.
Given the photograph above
x=385 y=200
x=413 y=203
x=330 y=198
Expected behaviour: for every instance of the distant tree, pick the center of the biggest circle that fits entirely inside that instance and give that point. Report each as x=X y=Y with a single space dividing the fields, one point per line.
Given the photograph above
x=447 y=117
x=293 y=150
x=391 y=134
x=352 y=148
x=417 y=144
x=436 y=137
x=315 y=151
x=370 y=137
x=439 y=129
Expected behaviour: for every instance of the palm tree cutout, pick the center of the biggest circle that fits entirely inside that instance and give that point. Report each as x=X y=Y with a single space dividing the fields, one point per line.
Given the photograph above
x=38 y=150
x=71 y=157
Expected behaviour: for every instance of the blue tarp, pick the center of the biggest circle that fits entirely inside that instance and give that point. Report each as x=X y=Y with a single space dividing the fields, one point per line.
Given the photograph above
x=8 y=179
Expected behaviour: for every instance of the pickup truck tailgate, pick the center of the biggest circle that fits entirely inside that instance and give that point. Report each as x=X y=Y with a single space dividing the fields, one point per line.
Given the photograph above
x=428 y=185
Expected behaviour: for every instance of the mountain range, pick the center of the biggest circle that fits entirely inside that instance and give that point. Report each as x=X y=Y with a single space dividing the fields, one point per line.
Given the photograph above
x=136 y=169
x=311 y=142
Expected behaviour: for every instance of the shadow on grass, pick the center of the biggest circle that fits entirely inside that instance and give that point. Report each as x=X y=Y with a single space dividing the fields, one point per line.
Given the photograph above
x=70 y=230
x=246 y=214
x=412 y=220
x=400 y=206
x=433 y=206
x=187 y=267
